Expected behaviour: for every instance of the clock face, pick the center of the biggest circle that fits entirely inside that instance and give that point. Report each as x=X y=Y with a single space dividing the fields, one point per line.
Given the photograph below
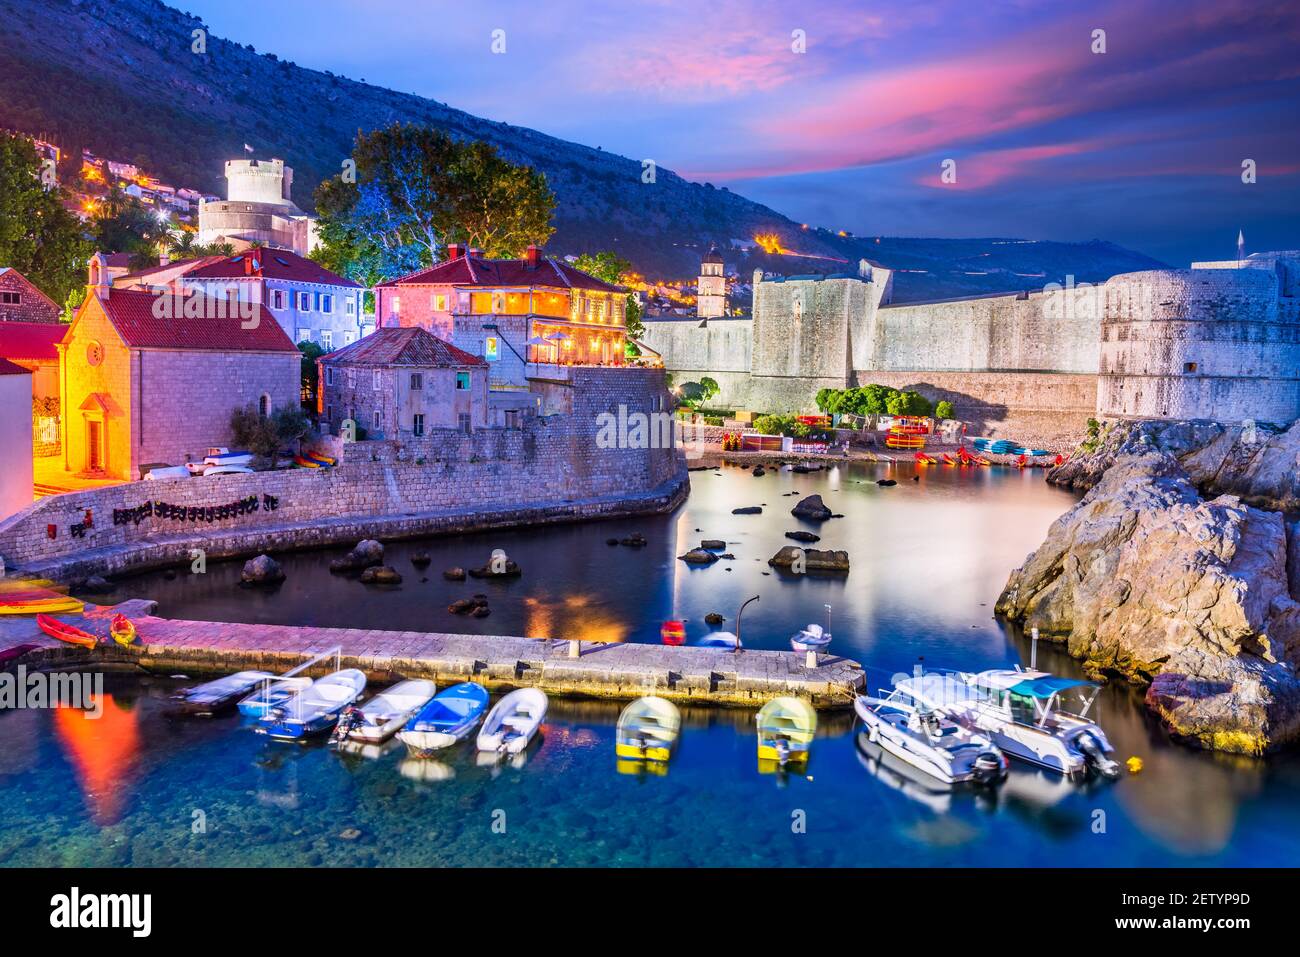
x=94 y=353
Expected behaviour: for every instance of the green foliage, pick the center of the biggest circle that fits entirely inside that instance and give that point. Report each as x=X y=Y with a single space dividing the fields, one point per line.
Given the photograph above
x=632 y=318
x=606 y=266
x=695 y=393
x=782 y=425
x=124 y=225
x=38 y=237
x=418 y=189
x=1095 y=434
x=943 y=409
x=73 y=302
x=264 y=436
x=872 y=400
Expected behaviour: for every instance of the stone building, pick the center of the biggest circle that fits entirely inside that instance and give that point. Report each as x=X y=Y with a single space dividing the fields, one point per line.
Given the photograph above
x=258 y=208
x=711 y=289
x=35 y=347
x=142 y=385
x=21 y=301
x=401 y=383
x=16 y=473
x=528 y=318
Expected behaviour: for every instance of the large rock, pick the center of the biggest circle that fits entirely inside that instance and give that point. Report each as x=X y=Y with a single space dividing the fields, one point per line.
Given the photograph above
x=814 y=560
x=1145 y=579
x=381 y=575
x=367 y=552
x=811 y=508
x=262 y=570
x=699 y=556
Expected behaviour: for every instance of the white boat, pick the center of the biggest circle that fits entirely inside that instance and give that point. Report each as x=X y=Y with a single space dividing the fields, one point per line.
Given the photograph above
x=900 y=722
x=647 y=730
x=512 y=722
x=213 y=697
x=167 y=472
x=227 y=470
x=1037 y=717
x=446 y=719
x=719 y=639
x=812 y=638
x=383 y=715
x=315 y=709
x=272 y=693
x=229 y=458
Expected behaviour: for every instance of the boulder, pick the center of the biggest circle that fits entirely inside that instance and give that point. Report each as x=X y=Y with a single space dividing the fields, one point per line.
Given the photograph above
x=508 y=569
x=1145 y=579
x=886 y=483
x=803 y=536
x=456 y=574
x=262 y=570
x=381 y=575
x=814 y=560
x=611 y=541
x=469 y=606
x=812 y=509
x=421 y=559
x=713 y=618
x=94 y=585
x=699 y=556
x=636 y=540
x=748 y=510
x=366 y=553
x=758 y=472
x=714 y=544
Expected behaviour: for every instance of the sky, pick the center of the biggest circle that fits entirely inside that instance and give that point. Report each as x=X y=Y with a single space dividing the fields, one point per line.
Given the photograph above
x=844 y=114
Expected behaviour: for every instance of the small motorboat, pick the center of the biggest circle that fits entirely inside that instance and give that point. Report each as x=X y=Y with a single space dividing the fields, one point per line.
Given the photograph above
x=271 y=694
x=786 y=728
x=315 y=709
x=812 y=638
x=384 y=715
x=903 y=724
x=448 y=718
x=719 y=639
x=648 y=730
x=121 y=629
x=227 y=470
x=511 y=724
x=229 y=458
x=66 y=632
x=214 y=697
x=673 y=632
x=168 y=472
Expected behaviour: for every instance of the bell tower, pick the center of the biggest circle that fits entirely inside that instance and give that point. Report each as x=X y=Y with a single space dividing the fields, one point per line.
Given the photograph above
x=711 y=291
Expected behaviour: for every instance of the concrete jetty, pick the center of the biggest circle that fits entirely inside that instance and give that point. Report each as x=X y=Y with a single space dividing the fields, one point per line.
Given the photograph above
x=619 y=671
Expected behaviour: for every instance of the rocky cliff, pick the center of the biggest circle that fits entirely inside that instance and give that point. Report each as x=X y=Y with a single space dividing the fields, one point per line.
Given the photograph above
x=1150 y=578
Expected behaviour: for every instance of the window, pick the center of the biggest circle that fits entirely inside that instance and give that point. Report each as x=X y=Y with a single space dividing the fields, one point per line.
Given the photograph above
x=512 y=418
x=348 y=338
x=279 y=299
x=463 y=422
x=327 y=339
x=377 y=382
x=397 y=304
x=352 y=380
x=491 y=349
x=375 y=420
x=304 y=302
x=1189 y=366
x=326 y=303
x=329 y=375
x=462 y=380
x=417 y=381
x=11 y=298
x=417 y=425
x=304 y=335
x=264 y=405
x=350 y=307
x=440 y=302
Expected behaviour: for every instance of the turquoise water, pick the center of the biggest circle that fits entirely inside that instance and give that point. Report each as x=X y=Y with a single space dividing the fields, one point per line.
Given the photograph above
x=136 y=788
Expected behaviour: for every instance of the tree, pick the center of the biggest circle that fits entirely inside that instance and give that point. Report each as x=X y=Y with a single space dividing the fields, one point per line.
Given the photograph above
x=415 y=190
x=610 y=267
x=310 y=373
x=943 y=409
x=264 y=436
x=123 y=224
x=38 y=237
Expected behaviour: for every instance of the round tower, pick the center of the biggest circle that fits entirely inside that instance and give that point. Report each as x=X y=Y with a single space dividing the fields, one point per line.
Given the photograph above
x=1220 y=344
x=259 y=181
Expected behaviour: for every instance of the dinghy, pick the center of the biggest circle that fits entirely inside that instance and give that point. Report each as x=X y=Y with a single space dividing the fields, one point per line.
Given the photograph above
x=384 y=715
x=786 y=727
x=719 y=639
x=271 y=694
x=227 y=470
x=315 y=709
x=213 y=697
x=229 y=458
x=647 y=730
x=511 y=724
x=812 y=638
x=121 y=629
x=65 y=632
x=448 y=718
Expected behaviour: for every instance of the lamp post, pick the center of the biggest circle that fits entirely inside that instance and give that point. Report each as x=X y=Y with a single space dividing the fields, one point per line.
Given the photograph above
x=738 y=614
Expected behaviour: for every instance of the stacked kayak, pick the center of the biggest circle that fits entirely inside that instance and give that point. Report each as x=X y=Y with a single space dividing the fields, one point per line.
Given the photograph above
x=34 y=597
x=1005 y=447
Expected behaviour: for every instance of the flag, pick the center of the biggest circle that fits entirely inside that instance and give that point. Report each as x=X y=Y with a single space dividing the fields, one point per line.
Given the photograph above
x=247 y=148
x=1241 y=245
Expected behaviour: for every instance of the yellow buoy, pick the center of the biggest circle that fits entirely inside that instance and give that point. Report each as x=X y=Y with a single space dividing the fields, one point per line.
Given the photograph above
x=1134 y=765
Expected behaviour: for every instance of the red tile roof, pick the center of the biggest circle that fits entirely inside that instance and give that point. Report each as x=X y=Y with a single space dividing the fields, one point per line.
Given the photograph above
x=406 y=346
x=276 y=264
x=31 y=341
x=131 y=311
x=477 y=271
x=8 y=368
x=191 y=264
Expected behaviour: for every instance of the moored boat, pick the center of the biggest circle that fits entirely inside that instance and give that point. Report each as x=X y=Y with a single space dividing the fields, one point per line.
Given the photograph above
x=448 y=718
x=812 y=638
x=786 y=728
x=512 y=722
x=384 y=715
x=315 y=709
x=647 y=730
x=121 y=629
x=719 y=639
x=271 y=694
x=65 y=632
x=214 y=697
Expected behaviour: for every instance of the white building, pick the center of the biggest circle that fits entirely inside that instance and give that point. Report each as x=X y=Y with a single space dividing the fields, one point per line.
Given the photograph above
x=16 y=475
x=258 y=208
x=711 y=291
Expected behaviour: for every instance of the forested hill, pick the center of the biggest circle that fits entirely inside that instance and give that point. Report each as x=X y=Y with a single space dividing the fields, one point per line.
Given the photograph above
x=119 y=78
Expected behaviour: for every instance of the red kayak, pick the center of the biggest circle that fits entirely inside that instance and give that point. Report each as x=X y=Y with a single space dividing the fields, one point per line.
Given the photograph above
x=65 y=632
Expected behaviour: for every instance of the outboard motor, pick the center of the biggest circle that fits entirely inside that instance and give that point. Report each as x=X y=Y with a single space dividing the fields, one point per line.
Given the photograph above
x=782 y=751
x=990 y=767
x=348 y=719
x=1095 y=756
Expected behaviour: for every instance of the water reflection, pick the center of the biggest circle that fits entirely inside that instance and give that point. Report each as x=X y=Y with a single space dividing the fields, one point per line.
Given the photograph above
x=103 y=750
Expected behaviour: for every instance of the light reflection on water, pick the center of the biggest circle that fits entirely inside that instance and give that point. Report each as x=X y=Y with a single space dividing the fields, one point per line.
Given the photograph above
x=928 y=560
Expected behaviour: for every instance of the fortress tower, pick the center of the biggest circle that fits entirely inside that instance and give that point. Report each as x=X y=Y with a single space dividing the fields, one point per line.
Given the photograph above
x=258 y=207
x=711 y=291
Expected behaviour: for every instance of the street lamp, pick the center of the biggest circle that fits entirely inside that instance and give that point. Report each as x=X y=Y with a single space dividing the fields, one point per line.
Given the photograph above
x=738 y=614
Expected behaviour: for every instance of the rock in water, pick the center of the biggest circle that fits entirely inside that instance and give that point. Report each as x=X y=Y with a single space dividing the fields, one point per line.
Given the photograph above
x=886 y=483
x=699 y=556
x=366 y=553
x=421 y=559
x=456 y=574
x=1145 y=579
x=748 y=510
x=803 y=536
x=713 y=618
x=715 y=544
x=262 y=570
x=814 y=560
x=507 y=569
x=381 y=575
x=811 y=508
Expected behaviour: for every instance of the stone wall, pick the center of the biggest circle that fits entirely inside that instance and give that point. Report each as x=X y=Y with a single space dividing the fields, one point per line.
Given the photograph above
x=551 y=470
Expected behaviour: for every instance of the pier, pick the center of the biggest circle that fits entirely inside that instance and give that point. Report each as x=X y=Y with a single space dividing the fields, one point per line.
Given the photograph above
x=747 y=678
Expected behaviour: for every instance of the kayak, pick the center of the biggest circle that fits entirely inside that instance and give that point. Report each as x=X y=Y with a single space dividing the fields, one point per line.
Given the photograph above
x=34 y=606
x=305 y=463
x=122 y=630
x=66 y=632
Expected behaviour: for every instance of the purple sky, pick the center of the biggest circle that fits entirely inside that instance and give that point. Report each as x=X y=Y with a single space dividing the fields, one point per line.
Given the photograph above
x=1141 y=145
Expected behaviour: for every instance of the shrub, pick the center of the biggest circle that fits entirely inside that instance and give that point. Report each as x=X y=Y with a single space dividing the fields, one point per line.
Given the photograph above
x=943 y=409
x=264 y=436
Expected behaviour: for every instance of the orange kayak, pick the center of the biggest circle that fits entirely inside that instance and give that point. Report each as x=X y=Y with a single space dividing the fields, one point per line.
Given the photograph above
x=66 y=632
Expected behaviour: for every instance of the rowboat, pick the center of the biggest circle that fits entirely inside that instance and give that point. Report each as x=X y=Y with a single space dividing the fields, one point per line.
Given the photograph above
x=271 y=694
x=511 y=724
x=786 y=727
x=213 y=697
x=121 y=629
x=65 y=632
x=647 y=729
x=384 y=715
x=315 y=709
x=448 y=718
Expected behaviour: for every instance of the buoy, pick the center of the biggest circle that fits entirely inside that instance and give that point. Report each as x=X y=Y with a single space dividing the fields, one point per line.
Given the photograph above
x=1134 y=765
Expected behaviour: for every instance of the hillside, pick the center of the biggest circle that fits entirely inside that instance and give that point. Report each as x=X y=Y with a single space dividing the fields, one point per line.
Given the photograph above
x=119 y=78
